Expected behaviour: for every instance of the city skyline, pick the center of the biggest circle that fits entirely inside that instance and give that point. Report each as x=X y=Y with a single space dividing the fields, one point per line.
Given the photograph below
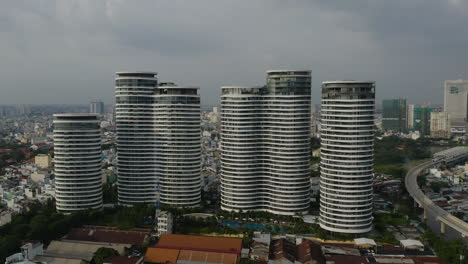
x=234 y=132
x=91 y=40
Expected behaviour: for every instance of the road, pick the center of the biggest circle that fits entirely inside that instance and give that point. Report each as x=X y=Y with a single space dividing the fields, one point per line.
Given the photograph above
x=432 y=209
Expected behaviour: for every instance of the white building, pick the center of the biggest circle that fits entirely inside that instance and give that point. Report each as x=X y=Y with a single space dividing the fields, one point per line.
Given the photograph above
x=165 y=223
x=440 y=125
x=347 y=150
x=28 y=252
x=213 y=116
x=177 y=126
x=456 y=104
x=265 y=145
x=77 y=168
x=136 y=146
x=158 y=141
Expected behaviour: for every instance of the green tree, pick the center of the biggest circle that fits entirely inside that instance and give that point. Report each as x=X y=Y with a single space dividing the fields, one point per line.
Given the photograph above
x=437 y=186
x=38 y=226
x=103 y=253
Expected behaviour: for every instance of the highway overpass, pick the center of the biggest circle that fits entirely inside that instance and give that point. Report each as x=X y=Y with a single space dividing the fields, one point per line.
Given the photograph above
x=429 y=207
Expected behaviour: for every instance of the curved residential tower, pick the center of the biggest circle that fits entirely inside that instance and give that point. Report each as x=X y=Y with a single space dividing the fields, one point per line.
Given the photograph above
x=265 y=158
x=177 y=129
x=77 y=166
x=347 y=147
x=136 y=138
x=158 y=141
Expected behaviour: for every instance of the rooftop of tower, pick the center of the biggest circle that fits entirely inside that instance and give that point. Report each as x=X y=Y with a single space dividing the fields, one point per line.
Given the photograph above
x=347 y=81
x=75 y=115
x=302 y=72
x=137 y=73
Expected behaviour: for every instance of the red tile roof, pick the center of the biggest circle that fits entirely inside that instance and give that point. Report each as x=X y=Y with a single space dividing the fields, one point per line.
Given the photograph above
x=161 y=255
x=200 y=243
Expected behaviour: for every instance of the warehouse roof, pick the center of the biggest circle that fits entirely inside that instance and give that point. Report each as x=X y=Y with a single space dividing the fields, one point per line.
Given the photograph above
x=200 y=243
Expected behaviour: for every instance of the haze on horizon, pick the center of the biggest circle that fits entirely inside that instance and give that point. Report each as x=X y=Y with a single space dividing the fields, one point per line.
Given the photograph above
x=66 y=52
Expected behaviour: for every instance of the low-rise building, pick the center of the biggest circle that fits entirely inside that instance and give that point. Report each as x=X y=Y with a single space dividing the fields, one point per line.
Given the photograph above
x=5 y=217
x=412 y=244
x=43 y=161
x=440 y=125
x=29 y=251
x=165 y=223
x=186 y=249
x=101 y=234
x=284 y=251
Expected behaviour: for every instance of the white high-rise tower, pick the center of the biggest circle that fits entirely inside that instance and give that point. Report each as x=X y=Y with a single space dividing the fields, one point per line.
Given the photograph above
x=177 y=129
x=347 y=150
x=136 y=139
x=265 y=145
x=77 y=168
x=158 y=141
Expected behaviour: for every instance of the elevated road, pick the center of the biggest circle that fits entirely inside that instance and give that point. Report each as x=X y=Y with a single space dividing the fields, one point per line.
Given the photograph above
x=423 y=201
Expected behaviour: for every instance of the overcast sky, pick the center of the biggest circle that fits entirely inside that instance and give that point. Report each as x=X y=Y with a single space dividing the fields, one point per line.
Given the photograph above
x=67 y=51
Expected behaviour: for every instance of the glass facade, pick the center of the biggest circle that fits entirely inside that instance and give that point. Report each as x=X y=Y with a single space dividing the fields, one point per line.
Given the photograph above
x=422 y=120
x=394 y=115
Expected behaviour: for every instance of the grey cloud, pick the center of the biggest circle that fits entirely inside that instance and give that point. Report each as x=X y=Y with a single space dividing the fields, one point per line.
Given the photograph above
x=67 y=51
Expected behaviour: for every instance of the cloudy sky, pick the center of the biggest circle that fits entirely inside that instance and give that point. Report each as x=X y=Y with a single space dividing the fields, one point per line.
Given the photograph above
x=66 y=51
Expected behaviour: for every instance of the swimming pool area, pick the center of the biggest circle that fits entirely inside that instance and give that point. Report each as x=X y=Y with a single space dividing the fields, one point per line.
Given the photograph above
x=261 y=227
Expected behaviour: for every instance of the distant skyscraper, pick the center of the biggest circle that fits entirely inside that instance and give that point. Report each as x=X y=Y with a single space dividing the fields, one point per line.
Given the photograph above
x=314 y=120
x=77 y=168
x=456 y=104
x=265 y=145
x=158 y=141
x=24 y=109
x=394 y=115
x=440 y=125
x=422 y=120
x=347 y=151
x=410 y=116
x=96 y=107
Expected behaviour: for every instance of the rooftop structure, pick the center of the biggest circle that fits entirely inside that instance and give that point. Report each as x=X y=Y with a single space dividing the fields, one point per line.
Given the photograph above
x=216 y=244
x=189 y=249
x=108 y=235
x=365 y=242
x=78 y=250
x=412 y=244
